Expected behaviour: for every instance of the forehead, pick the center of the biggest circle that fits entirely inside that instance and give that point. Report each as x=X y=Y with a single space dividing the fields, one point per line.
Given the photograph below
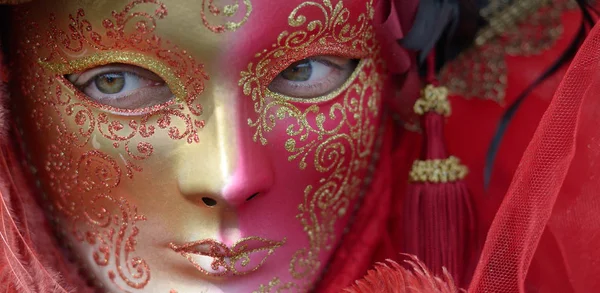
x=207 y=29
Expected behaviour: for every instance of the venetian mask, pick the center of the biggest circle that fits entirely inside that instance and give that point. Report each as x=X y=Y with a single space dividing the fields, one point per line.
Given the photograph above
x=199 y=146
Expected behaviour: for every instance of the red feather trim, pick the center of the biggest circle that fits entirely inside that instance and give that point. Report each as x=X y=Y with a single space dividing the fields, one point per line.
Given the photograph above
x=390 y=277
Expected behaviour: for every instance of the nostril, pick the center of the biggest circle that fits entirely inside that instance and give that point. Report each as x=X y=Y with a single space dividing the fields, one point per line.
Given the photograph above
x=209 y=201
x=251 y=197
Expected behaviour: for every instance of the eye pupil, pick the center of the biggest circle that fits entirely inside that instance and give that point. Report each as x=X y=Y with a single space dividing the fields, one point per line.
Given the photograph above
x=110 y=83
x=298 y=71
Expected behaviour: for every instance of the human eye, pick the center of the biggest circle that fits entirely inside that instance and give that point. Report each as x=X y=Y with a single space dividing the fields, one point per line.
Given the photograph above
x=313 y=77
x=122 y=87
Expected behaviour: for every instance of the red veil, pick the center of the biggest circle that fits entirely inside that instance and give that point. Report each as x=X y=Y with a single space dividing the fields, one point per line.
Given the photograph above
x=546 y=234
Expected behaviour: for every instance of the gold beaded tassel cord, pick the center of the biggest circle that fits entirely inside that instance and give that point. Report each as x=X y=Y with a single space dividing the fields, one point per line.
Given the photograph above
x=438 y=215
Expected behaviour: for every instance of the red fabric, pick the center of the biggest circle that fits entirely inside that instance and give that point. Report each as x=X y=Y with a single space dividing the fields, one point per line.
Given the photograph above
x=3 y=72
x=368 y=238
x=439 y=217
x=30 y=259
x=392 y=21
x=393 y=18
x=551 y=213
x=474 y=121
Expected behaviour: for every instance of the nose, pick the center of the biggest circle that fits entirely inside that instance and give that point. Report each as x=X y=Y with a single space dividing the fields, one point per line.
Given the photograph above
x=250 y=180
x=227 y=168
x=252 y=177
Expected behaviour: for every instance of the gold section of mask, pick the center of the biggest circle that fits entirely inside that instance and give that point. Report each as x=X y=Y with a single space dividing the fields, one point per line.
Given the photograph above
x=227 y=11
x=85 y=155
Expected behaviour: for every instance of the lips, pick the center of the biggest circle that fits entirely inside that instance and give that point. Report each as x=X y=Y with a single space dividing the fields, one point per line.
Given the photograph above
x=246 y=256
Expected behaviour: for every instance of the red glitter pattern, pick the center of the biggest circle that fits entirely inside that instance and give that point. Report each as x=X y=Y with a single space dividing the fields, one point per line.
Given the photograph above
x=244 y=257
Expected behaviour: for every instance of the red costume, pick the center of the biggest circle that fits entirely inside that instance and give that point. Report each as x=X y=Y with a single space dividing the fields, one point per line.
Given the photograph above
x=528 y=222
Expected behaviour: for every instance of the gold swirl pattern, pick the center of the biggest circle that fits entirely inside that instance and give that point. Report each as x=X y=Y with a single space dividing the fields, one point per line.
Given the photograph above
x=275 y=285
x=332 y=29
x=519 y=28
x=227 y=11
x=336 y=130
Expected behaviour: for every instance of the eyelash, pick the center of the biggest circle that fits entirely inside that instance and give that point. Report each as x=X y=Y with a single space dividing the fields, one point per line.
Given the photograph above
x=329 y=80
x=323 y=79
x=107 y=102
x=329 y=75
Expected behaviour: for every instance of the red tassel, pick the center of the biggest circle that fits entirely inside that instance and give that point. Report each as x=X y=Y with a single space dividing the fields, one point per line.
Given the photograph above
x=438 y=216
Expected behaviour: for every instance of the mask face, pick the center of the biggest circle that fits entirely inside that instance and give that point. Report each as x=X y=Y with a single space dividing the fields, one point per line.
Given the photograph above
x=199 y=146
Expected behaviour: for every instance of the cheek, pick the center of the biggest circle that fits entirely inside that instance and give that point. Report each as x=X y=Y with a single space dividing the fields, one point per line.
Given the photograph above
x=317 y=139
x=320 y=153
x=82 y=152
x=98 y=169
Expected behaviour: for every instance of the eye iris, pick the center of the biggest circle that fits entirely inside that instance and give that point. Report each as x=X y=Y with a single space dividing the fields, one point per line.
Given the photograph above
x=110 y=83
x=299 y=71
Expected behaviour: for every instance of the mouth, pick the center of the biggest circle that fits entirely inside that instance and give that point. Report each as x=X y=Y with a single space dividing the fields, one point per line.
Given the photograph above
x=214 y=258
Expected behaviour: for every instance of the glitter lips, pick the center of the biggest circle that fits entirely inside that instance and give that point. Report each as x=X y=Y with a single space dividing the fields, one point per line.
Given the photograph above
x=245 y=256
